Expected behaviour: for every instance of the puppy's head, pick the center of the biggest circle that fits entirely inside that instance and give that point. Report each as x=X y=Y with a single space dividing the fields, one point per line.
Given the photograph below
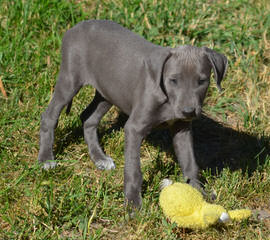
x=186 y=76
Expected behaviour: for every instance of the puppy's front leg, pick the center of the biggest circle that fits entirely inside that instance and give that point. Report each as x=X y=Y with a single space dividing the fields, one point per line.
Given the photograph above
x=132 y=171
x=183 y=147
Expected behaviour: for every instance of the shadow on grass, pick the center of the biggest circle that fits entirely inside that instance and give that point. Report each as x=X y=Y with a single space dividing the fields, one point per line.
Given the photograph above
x=216 y=146
x=65 y=137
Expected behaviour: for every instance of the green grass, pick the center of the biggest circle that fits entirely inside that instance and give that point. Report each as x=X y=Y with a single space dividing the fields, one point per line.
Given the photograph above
x=76 y=201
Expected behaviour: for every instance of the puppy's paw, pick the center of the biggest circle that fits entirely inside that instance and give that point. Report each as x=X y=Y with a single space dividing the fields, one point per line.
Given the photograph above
x=106 y=164
x=132 y=207
x=198 y=185
x=49 y=165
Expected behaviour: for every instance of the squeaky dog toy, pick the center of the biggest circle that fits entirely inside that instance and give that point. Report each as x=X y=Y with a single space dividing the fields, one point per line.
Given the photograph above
x=185 y=206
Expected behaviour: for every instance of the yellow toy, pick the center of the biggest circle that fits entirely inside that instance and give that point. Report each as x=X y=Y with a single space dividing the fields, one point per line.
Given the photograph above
x=185 y=206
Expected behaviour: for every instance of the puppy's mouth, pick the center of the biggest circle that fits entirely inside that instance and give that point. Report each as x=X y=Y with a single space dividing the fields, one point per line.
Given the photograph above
x=182 y=119
x=188 y=117
x=178 y=117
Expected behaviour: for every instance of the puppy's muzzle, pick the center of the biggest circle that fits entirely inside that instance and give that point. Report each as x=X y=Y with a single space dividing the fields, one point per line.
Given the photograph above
x=189 y=112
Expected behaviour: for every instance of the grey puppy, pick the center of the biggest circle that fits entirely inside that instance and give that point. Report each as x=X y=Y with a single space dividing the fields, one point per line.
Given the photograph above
x=153 y=85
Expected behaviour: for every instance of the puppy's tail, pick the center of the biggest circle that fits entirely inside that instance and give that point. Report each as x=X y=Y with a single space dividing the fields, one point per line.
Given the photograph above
x=68 y=107
x=165 y=183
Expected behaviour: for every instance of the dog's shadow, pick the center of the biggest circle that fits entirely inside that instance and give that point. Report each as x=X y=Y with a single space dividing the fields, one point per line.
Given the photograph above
x=216 y=146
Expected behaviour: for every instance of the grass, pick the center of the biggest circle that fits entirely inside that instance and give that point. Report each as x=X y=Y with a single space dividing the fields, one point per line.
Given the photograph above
x=76 y=201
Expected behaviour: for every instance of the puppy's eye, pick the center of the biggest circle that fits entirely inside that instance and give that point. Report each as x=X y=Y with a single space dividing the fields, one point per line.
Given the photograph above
x=173 y=81
x=202 y=82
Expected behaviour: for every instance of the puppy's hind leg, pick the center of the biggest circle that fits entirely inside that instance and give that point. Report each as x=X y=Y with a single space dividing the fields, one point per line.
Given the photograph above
x=91 y=117
x=65 y=89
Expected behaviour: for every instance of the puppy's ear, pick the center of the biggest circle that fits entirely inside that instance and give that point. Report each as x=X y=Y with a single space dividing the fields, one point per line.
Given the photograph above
x=219 y=64
x=153 y=67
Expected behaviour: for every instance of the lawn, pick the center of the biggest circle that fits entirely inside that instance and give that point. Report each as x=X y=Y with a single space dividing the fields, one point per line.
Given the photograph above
x=77 y=201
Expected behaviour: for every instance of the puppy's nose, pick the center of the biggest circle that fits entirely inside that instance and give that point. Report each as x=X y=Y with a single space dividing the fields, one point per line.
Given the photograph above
x=189 y=112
